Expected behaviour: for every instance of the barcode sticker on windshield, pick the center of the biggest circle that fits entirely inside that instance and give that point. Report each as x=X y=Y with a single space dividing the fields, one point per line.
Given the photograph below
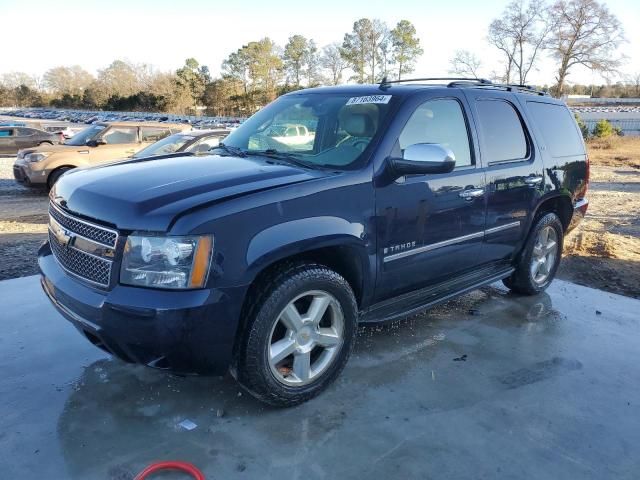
x=369 y=99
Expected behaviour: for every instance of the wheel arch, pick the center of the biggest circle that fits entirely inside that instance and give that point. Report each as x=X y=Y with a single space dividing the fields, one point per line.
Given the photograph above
x=560 y=204
x=57 y=169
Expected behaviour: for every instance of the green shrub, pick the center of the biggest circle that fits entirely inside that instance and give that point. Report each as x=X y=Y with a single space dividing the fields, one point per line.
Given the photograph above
x=603 y=129
x=583 y=126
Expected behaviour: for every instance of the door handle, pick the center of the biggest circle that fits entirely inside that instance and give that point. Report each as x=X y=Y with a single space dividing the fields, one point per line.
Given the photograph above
x=471 y=193
x=532 y=181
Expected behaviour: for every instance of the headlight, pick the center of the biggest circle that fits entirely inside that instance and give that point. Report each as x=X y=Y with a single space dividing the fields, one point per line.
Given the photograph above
x=37 y=156
x=166 y=262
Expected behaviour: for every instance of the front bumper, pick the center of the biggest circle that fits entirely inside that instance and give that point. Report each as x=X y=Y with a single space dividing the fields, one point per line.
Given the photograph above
x=23 y=173
x=579 y=212
x=182 y=331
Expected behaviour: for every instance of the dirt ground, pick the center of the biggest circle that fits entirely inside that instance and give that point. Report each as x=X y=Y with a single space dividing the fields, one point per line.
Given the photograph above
x=603 y=252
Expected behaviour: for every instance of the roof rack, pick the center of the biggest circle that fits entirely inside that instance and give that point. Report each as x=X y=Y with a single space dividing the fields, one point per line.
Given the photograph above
x=482 y=81
x=467 y=82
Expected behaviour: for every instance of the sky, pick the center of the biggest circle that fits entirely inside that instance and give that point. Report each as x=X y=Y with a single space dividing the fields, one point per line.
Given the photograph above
x=164 y=33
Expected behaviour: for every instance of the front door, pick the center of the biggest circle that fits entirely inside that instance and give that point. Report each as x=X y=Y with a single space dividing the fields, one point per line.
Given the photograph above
x=119 y=143
x=430 y=227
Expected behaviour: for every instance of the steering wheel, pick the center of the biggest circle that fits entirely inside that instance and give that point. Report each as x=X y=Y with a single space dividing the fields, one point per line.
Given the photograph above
x=360 y=144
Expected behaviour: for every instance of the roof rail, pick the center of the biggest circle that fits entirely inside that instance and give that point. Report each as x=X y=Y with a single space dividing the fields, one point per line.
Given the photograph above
x=468 y=82
x=481 y=81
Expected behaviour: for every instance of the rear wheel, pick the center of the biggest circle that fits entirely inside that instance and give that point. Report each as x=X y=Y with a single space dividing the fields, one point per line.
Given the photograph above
x=55 y=175
x=299 y=337
x=540 y=258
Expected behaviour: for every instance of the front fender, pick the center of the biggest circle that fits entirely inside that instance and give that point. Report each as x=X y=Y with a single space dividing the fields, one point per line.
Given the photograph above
x=298 y=236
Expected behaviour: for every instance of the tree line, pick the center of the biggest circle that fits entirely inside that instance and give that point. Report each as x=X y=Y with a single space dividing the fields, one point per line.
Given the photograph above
x=571 y=32
x=250 y=77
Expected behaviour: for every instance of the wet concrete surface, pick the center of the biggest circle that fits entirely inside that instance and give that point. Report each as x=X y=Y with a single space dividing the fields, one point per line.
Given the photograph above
x=491 y=385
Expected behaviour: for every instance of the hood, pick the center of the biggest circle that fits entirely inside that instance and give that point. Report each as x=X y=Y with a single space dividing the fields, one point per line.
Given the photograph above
x=148 y=194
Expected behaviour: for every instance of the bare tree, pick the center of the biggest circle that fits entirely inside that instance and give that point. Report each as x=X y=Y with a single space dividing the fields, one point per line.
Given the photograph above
x=71 y=80
x=584 y=33
x=521 y=34
x=333 y=62
x=465 y=64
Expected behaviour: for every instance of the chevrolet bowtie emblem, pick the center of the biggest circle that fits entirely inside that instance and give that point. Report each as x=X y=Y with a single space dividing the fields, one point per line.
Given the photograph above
x=64 y=236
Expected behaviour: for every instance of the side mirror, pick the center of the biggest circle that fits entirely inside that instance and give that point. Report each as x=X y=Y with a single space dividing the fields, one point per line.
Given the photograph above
x=423 y=158
x=95 y=143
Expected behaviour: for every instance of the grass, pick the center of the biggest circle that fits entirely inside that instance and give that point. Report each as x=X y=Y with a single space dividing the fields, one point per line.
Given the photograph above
x=615 y=151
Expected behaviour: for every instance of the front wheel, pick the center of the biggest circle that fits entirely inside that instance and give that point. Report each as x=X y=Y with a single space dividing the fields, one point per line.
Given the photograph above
x=55 y=175
x=300 y=333
x=540 y=257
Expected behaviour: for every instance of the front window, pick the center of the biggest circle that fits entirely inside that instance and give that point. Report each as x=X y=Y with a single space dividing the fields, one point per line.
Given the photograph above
x=167 y=145
x=81 y=138
x=329 y=130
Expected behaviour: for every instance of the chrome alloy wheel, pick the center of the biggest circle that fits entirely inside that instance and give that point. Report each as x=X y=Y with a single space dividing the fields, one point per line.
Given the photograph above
x=306 y=338
x=545 y=251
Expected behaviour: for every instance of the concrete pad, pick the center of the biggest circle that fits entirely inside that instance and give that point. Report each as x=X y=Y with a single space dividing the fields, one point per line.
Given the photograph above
x=487 y=386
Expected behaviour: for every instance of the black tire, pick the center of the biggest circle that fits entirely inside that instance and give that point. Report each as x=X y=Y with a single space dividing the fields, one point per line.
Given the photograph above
x=45 y=143
x=522 y=280
x=55 y=175
x=275 y=292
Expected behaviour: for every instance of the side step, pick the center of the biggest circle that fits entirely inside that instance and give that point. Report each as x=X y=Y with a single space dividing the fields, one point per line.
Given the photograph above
x=414 y=302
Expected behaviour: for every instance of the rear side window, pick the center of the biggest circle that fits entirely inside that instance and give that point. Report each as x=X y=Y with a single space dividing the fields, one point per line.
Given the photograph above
x=25 y=132
x=501 y=129
x=439 y=121
x=558 y=129
x=154 y=134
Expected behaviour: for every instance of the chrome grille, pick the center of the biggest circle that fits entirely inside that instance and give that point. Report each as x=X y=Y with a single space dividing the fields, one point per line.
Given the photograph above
x=79 y=247
x=87 y=230
x=94 y=269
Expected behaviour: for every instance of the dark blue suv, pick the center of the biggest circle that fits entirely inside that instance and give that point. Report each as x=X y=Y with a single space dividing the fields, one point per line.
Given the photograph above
x=327 y=208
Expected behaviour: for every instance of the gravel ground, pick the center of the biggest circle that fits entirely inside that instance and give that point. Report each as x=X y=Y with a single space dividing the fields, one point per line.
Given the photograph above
x=23 y=224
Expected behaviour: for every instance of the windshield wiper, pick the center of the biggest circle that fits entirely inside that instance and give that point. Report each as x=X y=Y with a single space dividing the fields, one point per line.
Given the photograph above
x=287 y=157
x=238 y=152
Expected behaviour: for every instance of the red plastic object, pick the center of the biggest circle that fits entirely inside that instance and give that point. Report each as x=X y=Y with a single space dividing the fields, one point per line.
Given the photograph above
x=171 y=465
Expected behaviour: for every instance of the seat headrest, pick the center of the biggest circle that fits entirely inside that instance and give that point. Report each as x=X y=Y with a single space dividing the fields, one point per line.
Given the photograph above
x=359 y=125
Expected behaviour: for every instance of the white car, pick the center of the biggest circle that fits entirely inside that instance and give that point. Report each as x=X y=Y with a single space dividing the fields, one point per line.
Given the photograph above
x=291 y=134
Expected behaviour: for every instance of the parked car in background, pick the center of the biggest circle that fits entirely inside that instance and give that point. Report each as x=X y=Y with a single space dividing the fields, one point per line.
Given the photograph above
x=193 y=141
x=100 y=143
x=289 y=134
x=65 y=130
x=13 y=139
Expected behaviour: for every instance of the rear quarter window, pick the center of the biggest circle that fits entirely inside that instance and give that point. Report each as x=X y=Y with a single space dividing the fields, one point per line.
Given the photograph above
x=558 y=128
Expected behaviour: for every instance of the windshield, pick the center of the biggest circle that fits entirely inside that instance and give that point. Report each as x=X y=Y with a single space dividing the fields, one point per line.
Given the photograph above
x=331 y=130
x=170 y=144
x=81 y=138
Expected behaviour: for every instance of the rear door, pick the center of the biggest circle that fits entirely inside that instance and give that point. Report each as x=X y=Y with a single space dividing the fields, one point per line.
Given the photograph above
x=514 y=167
x=26 y=137
x=430 y=227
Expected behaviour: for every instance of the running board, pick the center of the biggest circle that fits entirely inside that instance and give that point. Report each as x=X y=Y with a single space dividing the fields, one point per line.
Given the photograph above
x=414 y=302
